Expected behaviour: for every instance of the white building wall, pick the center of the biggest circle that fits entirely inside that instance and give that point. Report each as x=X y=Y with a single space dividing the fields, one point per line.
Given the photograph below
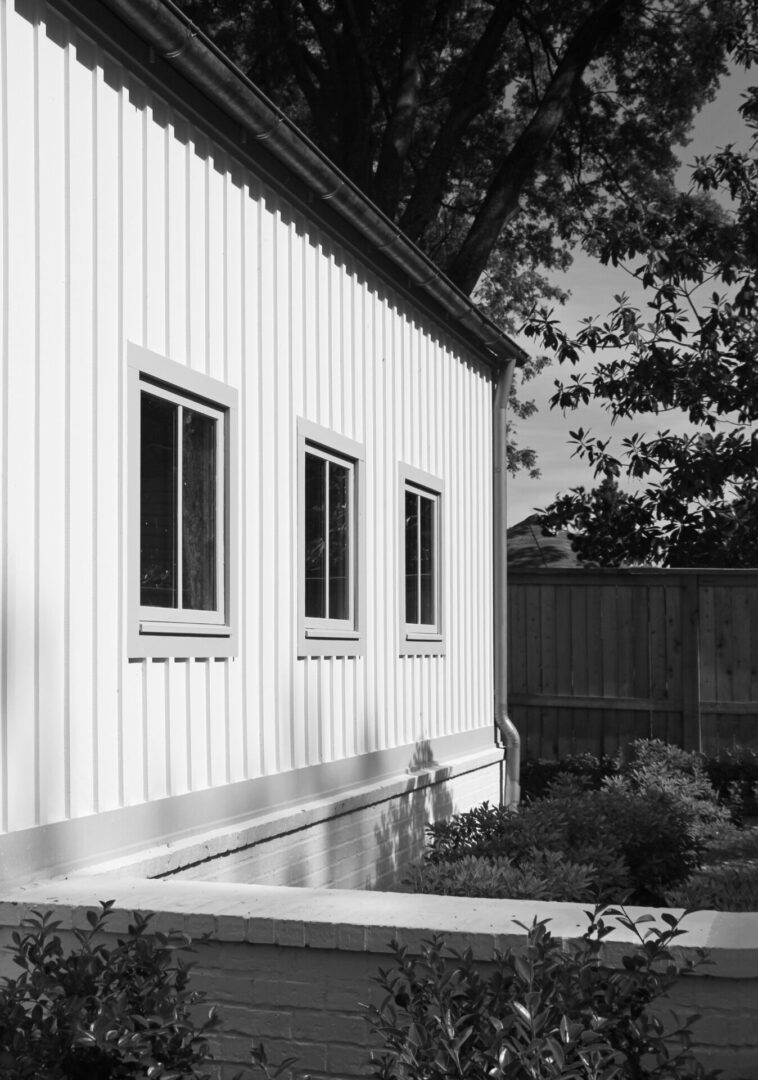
x=122 y=221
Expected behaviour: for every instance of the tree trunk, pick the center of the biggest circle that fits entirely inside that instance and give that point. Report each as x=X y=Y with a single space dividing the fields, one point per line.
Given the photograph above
x=519 y=166
x=470 y=99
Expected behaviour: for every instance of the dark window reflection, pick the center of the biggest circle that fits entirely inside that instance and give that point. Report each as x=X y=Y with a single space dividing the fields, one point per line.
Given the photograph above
x=411 y=557
x=198 y=511
x=327 y=538
x=158 y=472
x=339 y=542
x=420 y=546
x=426 y=561
x=315 y=537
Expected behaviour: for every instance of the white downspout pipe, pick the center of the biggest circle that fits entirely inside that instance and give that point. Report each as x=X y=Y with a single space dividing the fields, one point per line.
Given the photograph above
x=511 y=788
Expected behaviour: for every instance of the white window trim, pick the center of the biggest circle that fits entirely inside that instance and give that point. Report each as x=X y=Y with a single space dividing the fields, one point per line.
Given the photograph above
x=332 y=637
x=160 y=632
x=411 y=639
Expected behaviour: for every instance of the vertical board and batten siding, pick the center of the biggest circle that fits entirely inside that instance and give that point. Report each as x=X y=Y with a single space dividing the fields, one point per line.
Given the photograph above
x=598 y=658
x=122 y=221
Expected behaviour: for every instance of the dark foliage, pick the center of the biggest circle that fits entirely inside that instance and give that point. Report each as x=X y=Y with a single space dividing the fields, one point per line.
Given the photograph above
x=547 y=1011
x=494 y=133
x=734 y=775
x=101 y=1012
x=538 y=773
x=694 y=500
x=540 y=875
x=635 y=846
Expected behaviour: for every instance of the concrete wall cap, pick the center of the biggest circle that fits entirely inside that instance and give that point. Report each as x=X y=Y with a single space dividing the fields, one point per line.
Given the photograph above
x=368 y=921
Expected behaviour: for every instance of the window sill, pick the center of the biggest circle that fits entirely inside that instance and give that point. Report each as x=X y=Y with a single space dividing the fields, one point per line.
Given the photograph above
x=179 y=628
x=330 y=643
x=422 y=645
x=206 y=643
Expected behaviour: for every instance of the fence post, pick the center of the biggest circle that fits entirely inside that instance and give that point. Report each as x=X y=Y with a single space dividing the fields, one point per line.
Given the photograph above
x=691 y=728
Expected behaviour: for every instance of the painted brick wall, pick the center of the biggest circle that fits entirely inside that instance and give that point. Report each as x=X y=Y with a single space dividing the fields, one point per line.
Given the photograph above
x=368 y=846
x=298 y=1002
x=306 y=1003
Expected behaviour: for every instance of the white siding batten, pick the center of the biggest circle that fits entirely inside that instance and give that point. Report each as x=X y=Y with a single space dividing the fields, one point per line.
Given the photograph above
x=139 y=240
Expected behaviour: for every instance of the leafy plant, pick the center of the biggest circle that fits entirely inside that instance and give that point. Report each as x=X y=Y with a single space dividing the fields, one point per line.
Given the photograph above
x=655 y=768
x=734 y=775
x=642 y=844
x=99 y=1012
x=538 y=774
x=548 y=1011
x=728 y=887
x=545 y=875
x=689 y=348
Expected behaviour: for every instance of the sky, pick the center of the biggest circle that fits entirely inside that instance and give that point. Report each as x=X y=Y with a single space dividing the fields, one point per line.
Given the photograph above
x=592 y=287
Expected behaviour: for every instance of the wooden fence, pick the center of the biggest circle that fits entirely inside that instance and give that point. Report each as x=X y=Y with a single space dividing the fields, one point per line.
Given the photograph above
x=600 y=657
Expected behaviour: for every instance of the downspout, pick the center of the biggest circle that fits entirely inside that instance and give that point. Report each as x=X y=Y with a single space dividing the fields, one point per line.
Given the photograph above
x=511 y=740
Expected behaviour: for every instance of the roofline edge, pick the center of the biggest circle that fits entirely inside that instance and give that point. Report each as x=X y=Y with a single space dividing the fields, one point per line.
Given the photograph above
x=185 y=47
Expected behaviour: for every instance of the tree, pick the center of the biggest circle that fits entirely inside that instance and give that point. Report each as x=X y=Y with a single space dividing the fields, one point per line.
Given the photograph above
x=696 y=351
x=491 y=131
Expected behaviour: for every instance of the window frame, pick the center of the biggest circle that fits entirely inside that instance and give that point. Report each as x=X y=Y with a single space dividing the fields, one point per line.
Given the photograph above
x=169 y=632
x=414 y=641
x=324 y=636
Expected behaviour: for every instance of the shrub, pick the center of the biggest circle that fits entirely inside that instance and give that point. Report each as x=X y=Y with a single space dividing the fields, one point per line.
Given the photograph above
x=734 y=775
x=546 y=1012
x=728 y=887
x=100 y=1013
x=655 y=768
x=545 y=875
x=537 y=775
x=633 y=843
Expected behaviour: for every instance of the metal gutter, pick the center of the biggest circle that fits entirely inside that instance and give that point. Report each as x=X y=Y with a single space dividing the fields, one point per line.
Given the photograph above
x=173 y=37
x=511 y=790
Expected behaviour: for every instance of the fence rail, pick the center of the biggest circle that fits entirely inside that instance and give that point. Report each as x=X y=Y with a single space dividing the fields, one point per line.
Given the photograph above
x=600 y=657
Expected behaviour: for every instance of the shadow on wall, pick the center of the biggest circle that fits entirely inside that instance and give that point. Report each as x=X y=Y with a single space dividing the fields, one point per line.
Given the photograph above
x=399 y=836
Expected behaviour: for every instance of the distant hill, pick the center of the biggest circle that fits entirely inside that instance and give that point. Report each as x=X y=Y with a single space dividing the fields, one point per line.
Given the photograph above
x=527 y=547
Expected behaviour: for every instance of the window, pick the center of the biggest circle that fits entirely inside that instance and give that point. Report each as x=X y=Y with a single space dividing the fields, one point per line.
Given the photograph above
x=330 y=542
x=421 y=558
x=181 y=513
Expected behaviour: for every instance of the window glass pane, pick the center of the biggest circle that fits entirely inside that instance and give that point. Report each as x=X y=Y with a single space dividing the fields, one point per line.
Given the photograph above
x=199 y=439
x=411 y=557
x=426 y=561
x=339 y=541
x=158 y=471
x=315 y=537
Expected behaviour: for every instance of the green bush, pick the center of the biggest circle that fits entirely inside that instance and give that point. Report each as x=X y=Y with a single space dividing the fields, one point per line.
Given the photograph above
x=98 y=1012
x=734 y=775
x=545 y=875
x=718 y=888
x=638 y=846
x=733 y=772
x=655 y=768
x=538 y=774
x=550 y=1011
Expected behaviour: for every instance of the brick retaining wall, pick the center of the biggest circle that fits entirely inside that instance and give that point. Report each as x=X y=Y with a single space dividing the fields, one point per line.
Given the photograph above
x=291 y=966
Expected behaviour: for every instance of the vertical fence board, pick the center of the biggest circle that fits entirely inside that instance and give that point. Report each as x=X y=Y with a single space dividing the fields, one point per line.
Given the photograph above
x=601 y=657
x=611 y=640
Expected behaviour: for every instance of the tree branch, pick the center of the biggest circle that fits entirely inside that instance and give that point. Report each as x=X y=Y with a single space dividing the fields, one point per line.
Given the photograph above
x=467 y=103
x=369 y=69
x=312 y=78
x=519 y=165
x=399 y=131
